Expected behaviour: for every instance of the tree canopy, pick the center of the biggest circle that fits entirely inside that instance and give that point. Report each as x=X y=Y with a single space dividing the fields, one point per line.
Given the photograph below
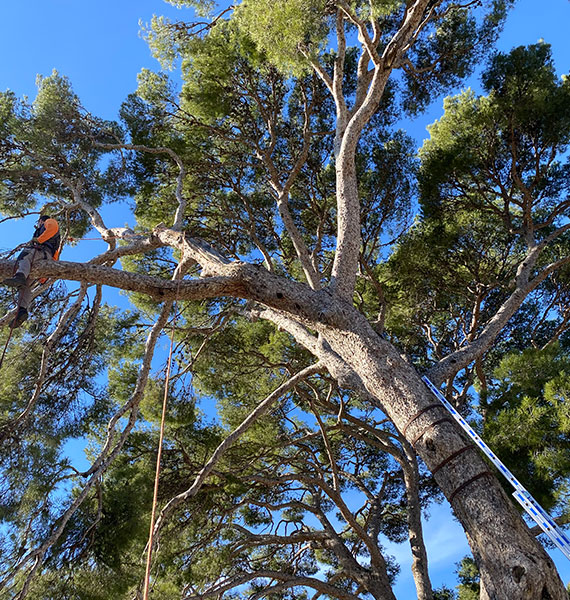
x=309 y=265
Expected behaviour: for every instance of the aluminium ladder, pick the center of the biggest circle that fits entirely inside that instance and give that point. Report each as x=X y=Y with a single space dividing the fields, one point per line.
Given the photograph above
x=531 y=506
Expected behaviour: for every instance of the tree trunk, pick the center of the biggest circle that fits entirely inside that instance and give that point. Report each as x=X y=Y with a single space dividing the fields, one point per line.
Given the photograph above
x=420 y=571
x=513 y=564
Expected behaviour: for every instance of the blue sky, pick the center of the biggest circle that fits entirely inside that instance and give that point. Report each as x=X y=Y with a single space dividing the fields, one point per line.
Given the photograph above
x=96 y=43
x=98 y=46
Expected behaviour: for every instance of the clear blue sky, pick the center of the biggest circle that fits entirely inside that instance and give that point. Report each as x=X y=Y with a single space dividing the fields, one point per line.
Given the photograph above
x=96 y=43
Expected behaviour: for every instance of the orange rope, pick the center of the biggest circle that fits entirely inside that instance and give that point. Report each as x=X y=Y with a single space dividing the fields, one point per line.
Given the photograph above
x=158 y=457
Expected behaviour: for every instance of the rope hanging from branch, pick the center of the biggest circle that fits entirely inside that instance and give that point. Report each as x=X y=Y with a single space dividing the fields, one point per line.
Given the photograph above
x=150 y=543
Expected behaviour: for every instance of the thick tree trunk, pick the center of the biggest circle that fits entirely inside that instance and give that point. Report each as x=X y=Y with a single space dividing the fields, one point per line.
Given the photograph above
x=513 y=564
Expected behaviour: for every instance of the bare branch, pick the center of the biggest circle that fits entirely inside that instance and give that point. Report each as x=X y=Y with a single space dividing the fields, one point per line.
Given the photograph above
x=255 y=415
x=179 y=215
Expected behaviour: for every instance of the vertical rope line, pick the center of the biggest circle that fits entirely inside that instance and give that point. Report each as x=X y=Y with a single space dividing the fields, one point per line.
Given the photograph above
x=159 y=453
x=8 y=340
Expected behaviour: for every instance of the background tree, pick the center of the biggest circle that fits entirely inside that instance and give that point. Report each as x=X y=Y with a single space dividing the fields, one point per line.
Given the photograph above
x=282 y=179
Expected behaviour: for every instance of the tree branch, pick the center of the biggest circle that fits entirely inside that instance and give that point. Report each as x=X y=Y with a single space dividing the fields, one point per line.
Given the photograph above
x=261 y=409
x=179 y=215
x=458 y=360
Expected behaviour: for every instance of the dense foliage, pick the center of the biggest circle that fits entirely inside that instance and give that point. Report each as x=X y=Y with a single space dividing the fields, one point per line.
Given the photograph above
x=245 y=157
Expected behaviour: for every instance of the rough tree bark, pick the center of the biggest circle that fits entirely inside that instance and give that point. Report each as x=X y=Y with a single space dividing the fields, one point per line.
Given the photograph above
x=359 y=357
x=512 y=562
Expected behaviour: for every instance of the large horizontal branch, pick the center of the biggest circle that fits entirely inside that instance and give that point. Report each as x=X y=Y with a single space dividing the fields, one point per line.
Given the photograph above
x=159 y=289
x=220 y=278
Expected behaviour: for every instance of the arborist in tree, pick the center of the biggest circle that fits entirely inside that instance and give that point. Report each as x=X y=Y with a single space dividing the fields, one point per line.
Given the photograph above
x=45 y=245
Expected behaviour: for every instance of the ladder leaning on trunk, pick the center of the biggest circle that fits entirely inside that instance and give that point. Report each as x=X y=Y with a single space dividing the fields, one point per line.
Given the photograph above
x=531 y=506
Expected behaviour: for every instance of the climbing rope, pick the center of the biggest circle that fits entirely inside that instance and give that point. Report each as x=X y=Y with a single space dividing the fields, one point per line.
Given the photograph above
x=150 y=543
x=8 y=339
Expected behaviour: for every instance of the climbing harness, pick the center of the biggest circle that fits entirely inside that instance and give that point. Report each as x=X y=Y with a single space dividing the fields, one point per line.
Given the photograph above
x=523 y=497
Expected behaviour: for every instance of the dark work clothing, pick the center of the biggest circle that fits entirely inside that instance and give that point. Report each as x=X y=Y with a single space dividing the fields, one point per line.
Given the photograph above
x=44 y=247
x=47 y=236
x=25 y=262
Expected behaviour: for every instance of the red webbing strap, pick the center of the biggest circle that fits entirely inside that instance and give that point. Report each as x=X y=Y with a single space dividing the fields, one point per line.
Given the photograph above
x=468 y=482
x=419 y=414
x=450 y=458
x=443 y=420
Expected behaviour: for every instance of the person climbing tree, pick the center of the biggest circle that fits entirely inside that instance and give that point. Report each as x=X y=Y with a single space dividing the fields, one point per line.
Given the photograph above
x=44 y=245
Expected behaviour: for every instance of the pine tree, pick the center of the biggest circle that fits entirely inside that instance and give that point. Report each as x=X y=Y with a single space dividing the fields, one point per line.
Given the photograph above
x=267 y=195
